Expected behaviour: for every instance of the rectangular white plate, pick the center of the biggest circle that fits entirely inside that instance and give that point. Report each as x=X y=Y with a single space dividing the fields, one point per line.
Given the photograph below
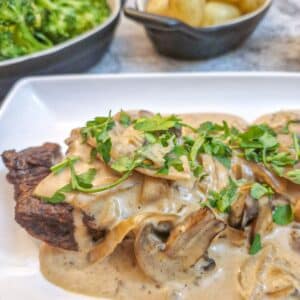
x=46 y=109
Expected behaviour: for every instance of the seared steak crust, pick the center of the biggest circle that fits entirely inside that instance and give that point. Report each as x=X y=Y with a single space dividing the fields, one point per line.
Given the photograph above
x=53 y=224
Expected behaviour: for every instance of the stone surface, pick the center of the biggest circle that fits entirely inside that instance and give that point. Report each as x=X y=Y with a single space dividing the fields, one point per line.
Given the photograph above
x=275 y=46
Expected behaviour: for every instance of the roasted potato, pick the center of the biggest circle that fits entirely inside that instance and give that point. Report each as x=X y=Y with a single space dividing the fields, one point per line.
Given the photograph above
x=190 y=12
x=216 y=13
x=159 y=7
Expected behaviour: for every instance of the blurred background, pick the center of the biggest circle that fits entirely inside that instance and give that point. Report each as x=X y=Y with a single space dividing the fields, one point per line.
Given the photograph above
x=274 y=46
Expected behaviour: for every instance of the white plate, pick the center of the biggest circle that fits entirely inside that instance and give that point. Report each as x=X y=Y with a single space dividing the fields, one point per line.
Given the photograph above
x=46 y=109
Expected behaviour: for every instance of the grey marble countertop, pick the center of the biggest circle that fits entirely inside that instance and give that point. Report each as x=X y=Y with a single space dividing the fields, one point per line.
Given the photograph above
x=274 y=46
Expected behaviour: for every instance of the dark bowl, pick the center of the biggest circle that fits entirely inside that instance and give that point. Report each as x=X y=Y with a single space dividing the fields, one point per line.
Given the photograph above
x=73 y=56
x=174 y=38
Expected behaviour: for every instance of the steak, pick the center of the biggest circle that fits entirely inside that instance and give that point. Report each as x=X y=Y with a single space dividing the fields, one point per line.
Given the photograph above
x=50 y=223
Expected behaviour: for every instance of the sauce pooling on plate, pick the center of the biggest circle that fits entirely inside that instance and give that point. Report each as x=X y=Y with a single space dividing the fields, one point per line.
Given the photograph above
x=190 y=206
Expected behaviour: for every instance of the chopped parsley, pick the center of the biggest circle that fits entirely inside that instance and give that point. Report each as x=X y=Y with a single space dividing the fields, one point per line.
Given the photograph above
x=222 y=200
x=283 y=214
x=260 y=190
x=99 y=129
x=125 y=119
x=294 y=176
x=157 y=123
x=256 y=245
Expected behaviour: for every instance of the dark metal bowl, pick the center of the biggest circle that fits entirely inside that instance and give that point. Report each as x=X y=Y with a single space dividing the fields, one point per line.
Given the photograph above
x=174 y=38
x=73 y=56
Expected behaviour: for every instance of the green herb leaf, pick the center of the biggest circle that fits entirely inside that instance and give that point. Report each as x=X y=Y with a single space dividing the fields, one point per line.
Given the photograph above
x=104 y=150
x=150 y=138
x=124 y=164
x=58 y=196
x=223 y=200
x=256 y=245
x=93 y=155
x=294 y=176
x=64 y=164
x=125 y=119
x=157 y=123
x=283 y=215
x=85 y=180
x=260 y=190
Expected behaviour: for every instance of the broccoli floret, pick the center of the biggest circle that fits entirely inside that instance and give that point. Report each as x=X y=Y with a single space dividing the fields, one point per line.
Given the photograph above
x=27 y=26
x=19 y=16
x=68 y=18
x=8 y=47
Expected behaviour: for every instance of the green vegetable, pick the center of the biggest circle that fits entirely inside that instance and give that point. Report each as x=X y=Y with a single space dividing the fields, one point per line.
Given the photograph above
x=84 y=179
x=283 y=215
x=125 y=119
x=172 y=159
x=99 y=129
x=256 y=245
x=64 y=164
x=259 y=144
x=157 y=123
x=260 y=190
x=125 y=164
x=28 y=26
x=223 y=200
x=294 y=176
x=296 y=145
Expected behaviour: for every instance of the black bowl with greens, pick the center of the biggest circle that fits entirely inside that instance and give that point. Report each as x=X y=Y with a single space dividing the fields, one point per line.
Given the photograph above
x=53 y=36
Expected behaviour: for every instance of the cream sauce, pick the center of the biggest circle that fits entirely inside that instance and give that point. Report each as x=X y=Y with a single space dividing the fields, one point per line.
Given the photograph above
x=118 y=276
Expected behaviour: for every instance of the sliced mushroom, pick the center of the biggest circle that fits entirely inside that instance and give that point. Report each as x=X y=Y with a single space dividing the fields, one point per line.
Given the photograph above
x=263 y=223
x=262 y=174
x=235 y=236
x=243 y=210
x=267 y=274
x=119 y=232
x=295 y=238
x=167 y=257
x=241 y=170
x=217 y=176
x=297 y=211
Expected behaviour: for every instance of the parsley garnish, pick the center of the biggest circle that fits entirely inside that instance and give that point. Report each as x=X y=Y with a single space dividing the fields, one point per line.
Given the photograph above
x=84 y=179
x=99 y=129
x=259 y=144
x=125 y=119
x=260 y=190
x=256 y=245
x=294 y=176
x=283 y=215
x=63 y=164
x=157 y=123
x=223 y=200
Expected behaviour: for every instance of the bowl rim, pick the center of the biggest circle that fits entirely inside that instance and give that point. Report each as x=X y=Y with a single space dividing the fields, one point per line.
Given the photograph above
x=267 y=4
x=117 y=5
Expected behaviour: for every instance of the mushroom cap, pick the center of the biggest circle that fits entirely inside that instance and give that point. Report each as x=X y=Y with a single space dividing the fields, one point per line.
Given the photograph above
x=170 y=254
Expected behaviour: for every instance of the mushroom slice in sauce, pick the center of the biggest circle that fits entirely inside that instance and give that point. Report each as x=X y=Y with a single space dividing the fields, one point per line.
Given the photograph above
x=263 y=223
x=217 y=176
x=166 y=256
x=297 y=211
x=262 y=174
x=295 y=238
x=268 y=276
x=118 y=233
x=244 y=209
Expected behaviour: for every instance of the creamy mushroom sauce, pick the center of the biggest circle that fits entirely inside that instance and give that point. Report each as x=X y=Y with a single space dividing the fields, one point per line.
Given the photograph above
x=118 y=275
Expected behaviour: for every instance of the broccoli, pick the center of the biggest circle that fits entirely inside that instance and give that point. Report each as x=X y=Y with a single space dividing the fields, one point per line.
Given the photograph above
x=68 y=18
x=27 y=26
x=18 y=38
